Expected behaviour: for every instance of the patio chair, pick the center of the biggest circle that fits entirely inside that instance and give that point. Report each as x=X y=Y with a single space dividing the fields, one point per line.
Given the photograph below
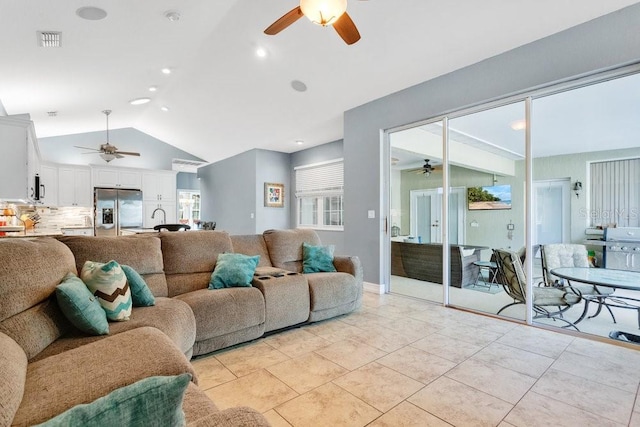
x=548 y=302
x=555 y=255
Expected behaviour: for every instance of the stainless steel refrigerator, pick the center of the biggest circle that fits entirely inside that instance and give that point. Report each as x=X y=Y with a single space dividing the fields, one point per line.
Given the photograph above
x=116 y=210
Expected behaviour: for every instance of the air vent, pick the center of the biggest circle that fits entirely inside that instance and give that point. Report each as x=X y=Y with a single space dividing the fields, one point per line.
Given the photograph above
x=49 y=38
x=183 y=165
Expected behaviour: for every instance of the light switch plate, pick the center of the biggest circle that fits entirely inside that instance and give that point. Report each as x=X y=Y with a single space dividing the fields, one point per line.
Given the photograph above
x=371 y=214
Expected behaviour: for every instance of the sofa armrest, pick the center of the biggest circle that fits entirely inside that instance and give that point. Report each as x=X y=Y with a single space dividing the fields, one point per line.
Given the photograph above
x=349 y=264
x=240 y=416
x=85 y=373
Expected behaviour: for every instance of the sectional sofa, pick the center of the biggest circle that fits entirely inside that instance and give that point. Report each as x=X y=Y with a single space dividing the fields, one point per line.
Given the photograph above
x=48 y=366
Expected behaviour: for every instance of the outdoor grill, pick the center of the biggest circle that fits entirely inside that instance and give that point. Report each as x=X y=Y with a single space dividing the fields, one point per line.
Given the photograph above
x=622 y=248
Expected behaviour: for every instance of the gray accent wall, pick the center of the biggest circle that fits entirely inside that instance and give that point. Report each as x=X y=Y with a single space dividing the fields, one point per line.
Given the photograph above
x=154 y=153
x=321 y=153
x=187 y=181
x=232 y=190
x=604 y=43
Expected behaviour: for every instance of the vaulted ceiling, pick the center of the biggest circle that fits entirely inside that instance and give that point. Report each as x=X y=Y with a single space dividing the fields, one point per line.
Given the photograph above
x=222 y=98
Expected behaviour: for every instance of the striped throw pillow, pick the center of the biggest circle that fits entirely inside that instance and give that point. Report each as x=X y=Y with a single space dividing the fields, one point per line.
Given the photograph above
x=109 y=284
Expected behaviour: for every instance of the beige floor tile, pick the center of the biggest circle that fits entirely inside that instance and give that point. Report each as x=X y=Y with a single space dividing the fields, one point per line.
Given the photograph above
x=417 y=364
x=249 y=358
x=306 y=372
x=411 y=328
x=536 y=340
x=365 y=318
x=333 y=331
x=383 y=338
x=296 y=342
x=408 y=415
x=608 y=402
x=477 y=336
x=602 y=370
x=447 y=347
x=505 y=424
x=535 y=410
x=275 y=419
x=635 y=419
x=211 y=372
x=459 y=404
x=515 y=359
x=392 y=311
x=328 y=405
x=601 y=350
x=351 y=354
x=495 y=380
x=495 y=325
x=379 y=386
x=259 y=390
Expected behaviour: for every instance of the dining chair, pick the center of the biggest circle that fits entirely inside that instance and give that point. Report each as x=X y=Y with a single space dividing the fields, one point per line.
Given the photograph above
x=548 y=302
x=556 y=255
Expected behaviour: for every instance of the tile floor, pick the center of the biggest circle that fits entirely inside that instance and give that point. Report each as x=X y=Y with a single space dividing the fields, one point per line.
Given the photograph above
x=404 y=362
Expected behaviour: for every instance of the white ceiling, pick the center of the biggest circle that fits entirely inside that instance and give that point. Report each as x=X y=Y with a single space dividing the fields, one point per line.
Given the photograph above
x=224 y=100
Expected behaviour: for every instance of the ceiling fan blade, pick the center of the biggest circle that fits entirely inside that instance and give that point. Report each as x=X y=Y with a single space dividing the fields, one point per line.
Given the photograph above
x=286 y=20
x=127 y=153
x=87 y=148
x=347 y=29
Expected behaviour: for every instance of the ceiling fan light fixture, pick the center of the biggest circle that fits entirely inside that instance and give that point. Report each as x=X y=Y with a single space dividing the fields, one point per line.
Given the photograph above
x=107 y=157
x=139 y=101
x=323 y=12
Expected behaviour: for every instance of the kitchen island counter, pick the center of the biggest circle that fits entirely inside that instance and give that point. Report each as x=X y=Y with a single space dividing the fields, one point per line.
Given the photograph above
x=31 y=233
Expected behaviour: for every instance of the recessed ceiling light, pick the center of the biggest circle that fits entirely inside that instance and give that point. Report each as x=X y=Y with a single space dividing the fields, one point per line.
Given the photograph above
x=166 y=71
x=164 y=108
x=261 y=52
x=172 y=15
x=139 y=101
x=299 y=142
x=153 y=88
x=299 y=86
x=91 y=13
x=519 y=124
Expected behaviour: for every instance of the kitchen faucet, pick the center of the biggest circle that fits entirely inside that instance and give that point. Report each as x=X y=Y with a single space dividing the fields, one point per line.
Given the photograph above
x=164 y=214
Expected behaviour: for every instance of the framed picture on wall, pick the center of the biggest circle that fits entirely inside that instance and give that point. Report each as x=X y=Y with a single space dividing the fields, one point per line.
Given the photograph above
x=273 y=195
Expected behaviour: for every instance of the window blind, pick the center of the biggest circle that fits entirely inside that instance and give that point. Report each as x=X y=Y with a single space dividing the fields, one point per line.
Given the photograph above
x=615 y=193
x=326 y=179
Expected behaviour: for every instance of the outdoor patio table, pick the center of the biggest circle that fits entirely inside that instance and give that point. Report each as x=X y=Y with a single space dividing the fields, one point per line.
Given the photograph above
x=618 y=279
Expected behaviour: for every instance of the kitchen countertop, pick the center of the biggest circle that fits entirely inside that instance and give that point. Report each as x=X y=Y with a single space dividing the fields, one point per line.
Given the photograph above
x=31 y=233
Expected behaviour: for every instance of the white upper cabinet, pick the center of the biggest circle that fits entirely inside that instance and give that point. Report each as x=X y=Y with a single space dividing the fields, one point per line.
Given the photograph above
x=20 y=160
x=49 y=184
x=74 y=186
x=117 y=178
x=159 y=185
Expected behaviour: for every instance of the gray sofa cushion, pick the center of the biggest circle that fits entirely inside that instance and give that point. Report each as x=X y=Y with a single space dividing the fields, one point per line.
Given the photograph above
x=286 y=300
x=252 y=244
x=285 y=247
x=222 y=311
x=140 y=252
x=171 y=316
x=331 y=294
x=13 y=373
x=189 y=258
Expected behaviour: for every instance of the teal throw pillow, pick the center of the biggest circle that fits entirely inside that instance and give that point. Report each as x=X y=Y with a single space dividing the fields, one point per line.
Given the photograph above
x=109 y=284
x=153 y=401
x=233 y=270
x=316 y=259
x=141 y=295
x=80 y=306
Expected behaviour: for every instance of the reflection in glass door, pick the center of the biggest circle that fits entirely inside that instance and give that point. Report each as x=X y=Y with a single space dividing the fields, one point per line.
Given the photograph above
x=416 y=212
x=486 y=157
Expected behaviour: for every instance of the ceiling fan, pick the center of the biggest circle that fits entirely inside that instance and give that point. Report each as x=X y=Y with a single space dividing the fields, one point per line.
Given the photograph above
x=321 y=12
x=107 y=151
x=427 y=168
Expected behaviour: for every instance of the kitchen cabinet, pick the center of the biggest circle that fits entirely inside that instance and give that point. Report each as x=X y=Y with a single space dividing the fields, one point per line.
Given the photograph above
x=20 y=160
x=150 y=206
x=110 y=177
x=159 y=185
x=74 y=186
x=77 y=231
x=49 y=184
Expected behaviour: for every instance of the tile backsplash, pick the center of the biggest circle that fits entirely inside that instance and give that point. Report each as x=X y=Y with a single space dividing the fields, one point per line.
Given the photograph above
x=54 y=218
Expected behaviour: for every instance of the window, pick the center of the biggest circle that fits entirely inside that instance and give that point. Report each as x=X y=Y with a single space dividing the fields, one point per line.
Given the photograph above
x=319 y=195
